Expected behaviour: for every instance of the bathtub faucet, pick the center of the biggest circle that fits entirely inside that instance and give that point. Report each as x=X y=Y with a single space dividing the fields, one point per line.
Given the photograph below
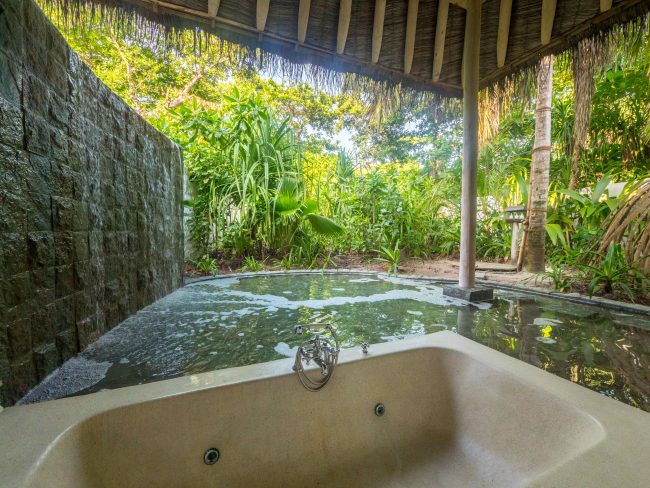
x=322 y=349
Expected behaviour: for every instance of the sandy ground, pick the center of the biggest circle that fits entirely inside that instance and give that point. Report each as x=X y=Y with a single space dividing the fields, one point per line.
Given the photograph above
x=440 y=268
x=448 y=268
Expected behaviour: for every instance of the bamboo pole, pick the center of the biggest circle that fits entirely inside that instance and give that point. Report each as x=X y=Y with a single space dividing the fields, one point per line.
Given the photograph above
x=213 y=7
x=345 y=11
x=378 y=29
x=303 y=19
x=409 y=41
x=548 y=16
x=503 y=33
x=471 y=53
x=439 y=43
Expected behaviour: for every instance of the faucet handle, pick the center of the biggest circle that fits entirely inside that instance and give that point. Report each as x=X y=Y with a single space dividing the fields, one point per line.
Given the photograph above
x=299 y=329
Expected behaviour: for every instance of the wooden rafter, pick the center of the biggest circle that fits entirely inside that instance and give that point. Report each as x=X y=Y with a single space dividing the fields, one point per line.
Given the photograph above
x=503 y=34
x=284 y=43
x=345 y=11
x=559 y=41
x=303 y=19
x=548 y=16
x=409 y=42
x=463 y=3
x=439 y=43
x=262 y=14
x=213 y=7
x=378 y=29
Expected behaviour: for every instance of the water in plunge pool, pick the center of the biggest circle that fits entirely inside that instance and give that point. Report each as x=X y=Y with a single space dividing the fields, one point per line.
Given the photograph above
x=229 y=322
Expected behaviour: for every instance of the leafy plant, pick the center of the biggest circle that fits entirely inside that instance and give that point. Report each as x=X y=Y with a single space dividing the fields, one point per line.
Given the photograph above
x=390 y=256
x=613 y=271
x=252 y=264
x=206 y=264
x=295 y=209
x=562 y=281
x=593 y=208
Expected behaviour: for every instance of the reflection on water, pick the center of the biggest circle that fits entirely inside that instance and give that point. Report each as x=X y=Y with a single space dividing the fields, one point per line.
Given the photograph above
x=233 y=322
x=596 y=348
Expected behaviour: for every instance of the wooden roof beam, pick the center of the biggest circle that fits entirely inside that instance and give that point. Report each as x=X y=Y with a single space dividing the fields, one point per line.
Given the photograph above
x=378 y=29
x=548 y=16
x=503 y=34
x=303 y=19
x=213 y=7
x=439 y=44
x=345 y=11
x=463 y=3
x=262 y=14
x=409 y=43
x=605 y=5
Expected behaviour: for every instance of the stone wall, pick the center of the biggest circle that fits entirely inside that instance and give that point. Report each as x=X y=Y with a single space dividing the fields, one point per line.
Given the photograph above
x=90 y=204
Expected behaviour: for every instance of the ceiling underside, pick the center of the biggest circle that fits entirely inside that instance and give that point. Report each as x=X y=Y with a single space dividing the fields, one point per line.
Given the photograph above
x=274 y=25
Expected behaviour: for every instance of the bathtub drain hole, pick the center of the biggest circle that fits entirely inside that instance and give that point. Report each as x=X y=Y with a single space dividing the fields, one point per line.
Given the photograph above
x=211 y=456
x=380 y=409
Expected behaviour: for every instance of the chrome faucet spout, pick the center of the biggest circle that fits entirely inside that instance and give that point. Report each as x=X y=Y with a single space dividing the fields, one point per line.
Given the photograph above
x=321 y=349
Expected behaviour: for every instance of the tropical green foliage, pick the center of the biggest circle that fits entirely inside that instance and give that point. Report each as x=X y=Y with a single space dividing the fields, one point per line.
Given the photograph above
x=286 y=174
x=245 y=168
x=614 y=271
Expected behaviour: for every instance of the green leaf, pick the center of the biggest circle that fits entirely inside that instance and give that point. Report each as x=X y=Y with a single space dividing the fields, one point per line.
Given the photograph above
x=555 y=233
x=323 y=225
x=310 y=206
x=287 y=200
x=600 y=188
x=574 y=194
x=286 y=205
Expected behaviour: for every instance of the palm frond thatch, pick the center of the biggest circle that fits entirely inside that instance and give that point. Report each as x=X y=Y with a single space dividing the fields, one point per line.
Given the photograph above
x=277 y=51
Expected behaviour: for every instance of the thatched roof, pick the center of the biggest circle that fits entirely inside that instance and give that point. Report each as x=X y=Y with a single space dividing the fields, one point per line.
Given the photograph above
x=326 y=46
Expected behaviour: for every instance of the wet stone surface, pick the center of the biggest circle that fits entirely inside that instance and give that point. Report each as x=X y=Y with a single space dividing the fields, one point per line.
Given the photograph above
x=230 y=322
x=90 y=215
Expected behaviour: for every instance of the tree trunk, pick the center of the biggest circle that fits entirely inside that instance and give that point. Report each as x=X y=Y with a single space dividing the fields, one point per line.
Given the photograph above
x=534 y=259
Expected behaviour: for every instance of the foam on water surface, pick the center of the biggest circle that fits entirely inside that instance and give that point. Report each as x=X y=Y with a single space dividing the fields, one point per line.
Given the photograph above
x=234 y=321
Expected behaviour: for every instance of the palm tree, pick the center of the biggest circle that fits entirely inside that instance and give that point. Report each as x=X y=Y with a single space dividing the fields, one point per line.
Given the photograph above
x=535 y=236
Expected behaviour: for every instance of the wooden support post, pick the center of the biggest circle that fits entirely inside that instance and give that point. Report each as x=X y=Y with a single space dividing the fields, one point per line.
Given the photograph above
x=303 y=19
x=378 y=29
x=345 y=11
x=548 y=17
x=504 y=31
x=471 y=53
x=409 y=42
x=439 y=43
x=262 y=14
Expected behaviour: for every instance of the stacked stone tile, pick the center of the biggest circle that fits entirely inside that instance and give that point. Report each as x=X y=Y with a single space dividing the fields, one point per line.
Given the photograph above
x=90 y=204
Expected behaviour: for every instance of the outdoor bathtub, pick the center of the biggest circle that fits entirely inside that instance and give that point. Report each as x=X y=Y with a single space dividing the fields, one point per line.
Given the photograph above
x=456 y=414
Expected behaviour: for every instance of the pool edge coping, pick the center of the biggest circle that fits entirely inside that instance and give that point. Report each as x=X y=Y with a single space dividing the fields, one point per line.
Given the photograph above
x=533 y=290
